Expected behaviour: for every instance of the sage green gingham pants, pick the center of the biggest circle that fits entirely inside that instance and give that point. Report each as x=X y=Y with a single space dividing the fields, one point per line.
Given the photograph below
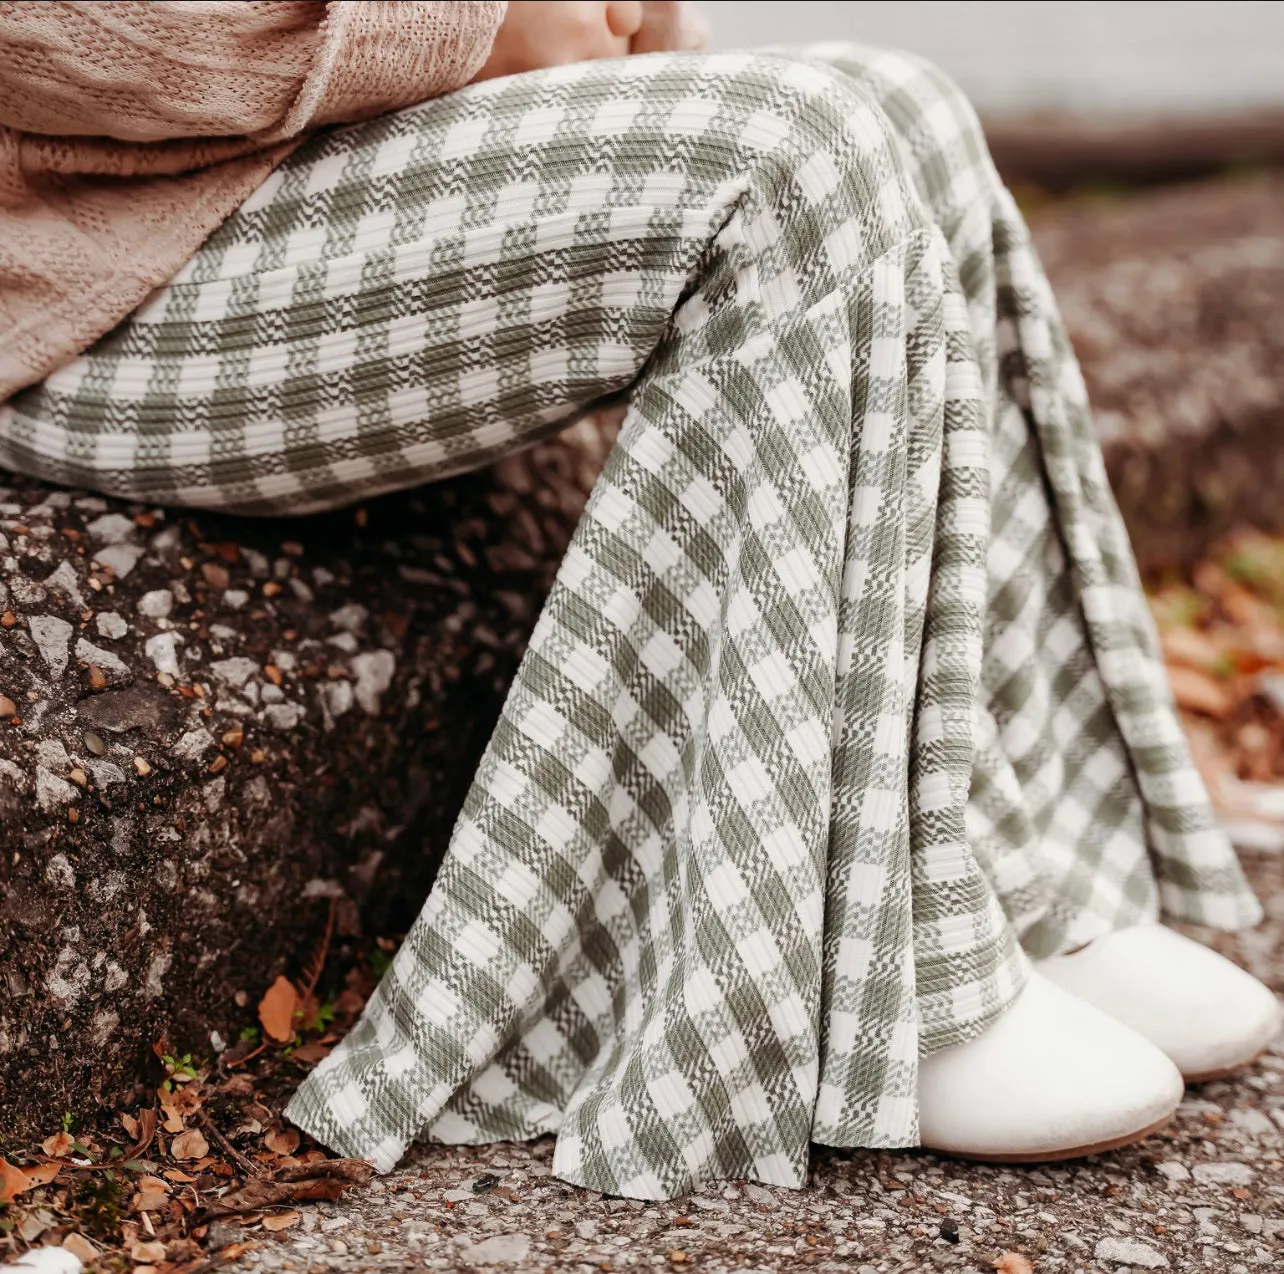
x=846 y=696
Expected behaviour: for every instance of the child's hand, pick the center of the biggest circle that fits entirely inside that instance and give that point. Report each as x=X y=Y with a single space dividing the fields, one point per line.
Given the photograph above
x=540 y=33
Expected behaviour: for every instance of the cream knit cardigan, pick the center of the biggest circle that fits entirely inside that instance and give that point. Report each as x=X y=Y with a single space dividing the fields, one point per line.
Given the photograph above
x=129 y=131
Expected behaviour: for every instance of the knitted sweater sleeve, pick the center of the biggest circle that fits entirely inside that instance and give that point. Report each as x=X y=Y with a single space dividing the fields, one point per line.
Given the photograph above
x=261 y=69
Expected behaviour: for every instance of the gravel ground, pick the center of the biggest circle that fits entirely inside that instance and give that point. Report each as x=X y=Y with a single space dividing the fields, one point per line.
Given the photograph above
x=1206 y=1194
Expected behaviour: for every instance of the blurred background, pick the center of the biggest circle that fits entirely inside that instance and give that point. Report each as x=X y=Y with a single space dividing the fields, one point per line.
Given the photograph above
x=1131 y=56
x=1145 y=143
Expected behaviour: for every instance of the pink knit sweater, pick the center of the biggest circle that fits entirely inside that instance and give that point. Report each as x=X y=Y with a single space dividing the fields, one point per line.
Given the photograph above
x=129 y=131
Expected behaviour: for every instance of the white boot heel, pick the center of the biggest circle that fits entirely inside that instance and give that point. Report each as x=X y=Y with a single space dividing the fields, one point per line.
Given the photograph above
x=1206 y=1013
x=1052 y=1078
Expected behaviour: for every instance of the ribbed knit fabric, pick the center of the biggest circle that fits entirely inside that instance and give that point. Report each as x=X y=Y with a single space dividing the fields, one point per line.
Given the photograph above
x=128 y=132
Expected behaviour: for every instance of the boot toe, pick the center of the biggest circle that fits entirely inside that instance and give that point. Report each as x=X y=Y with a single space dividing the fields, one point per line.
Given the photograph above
x=1205 y=1013
x=1052 y=1078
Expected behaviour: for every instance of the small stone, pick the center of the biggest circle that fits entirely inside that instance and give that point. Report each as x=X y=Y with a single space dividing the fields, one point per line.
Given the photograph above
x=141 y=768
x=1173 y=1170
x=52 y=637
x=216 y=576
x=110 y=625
x=120 y=559
x=1223 y=1174
x=235 y=672
x=234 y=737
x=1251 y=1121
x=94 y=744
x=283 y=716
x=162 y=650
x=7 y=708
x=65 y=580
x=350 y=618
x=157 y=604
x=235 y=598
x=193 y=745
x=106 y=773
x=1130 y=1252
x=141 y=706
x=486 y=1182
x=52 y=792
x=949 y=1230
x=374 y=670
x=111 y=528
x=53 y=756
x=104 y=659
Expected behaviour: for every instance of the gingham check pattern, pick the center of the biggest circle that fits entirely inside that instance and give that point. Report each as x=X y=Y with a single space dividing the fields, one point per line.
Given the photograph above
x=820 y=716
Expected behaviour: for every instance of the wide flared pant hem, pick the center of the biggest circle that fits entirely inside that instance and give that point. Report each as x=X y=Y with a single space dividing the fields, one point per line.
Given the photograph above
x=846 y=694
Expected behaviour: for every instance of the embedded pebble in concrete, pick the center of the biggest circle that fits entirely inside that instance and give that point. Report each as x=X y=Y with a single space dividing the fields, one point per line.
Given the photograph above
x=104 y=659
x=110 y=625
x=156 y=604
x=1224 y=1174
x=1130 y=1252
x=193 y=745
x=111 y=528
x=52 y=636
x=162 y=650
x=120 y=559
x=373 y=669
x=65 y=580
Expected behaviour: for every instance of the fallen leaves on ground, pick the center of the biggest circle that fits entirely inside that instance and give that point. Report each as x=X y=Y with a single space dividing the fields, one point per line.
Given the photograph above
x=156 y=1187
x=1013 y=1263
x=276 y=1010
x=1221 y=629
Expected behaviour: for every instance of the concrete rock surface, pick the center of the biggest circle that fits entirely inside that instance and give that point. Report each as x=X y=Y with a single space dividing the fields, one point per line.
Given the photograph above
x=214 y=729
x=1173 y=300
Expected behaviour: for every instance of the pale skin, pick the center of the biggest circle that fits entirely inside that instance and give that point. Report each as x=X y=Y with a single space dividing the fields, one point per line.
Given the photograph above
x=544 y=33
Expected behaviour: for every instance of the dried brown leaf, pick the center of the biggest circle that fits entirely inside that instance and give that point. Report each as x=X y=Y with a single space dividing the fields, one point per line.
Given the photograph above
x=282 y=1141
x=1198 y=692
x=81 y=1247
x=276 y=1010
x=313 y=1052
x=1013 y=1263
x=149 y=1200
x=42 y=1174
x=151 y=1252
x=13 y=1181
x=1190 y=648
x=189 y=1145
x=129 y=1124
x=60 y=1144
x=282 y=1220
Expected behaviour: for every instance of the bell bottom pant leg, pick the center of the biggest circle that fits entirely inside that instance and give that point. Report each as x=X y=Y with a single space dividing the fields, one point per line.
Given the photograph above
x=716 y=886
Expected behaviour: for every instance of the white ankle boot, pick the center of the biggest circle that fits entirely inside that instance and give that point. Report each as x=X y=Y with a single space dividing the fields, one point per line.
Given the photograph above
x=1053 y=1078
x=1207 y=1014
